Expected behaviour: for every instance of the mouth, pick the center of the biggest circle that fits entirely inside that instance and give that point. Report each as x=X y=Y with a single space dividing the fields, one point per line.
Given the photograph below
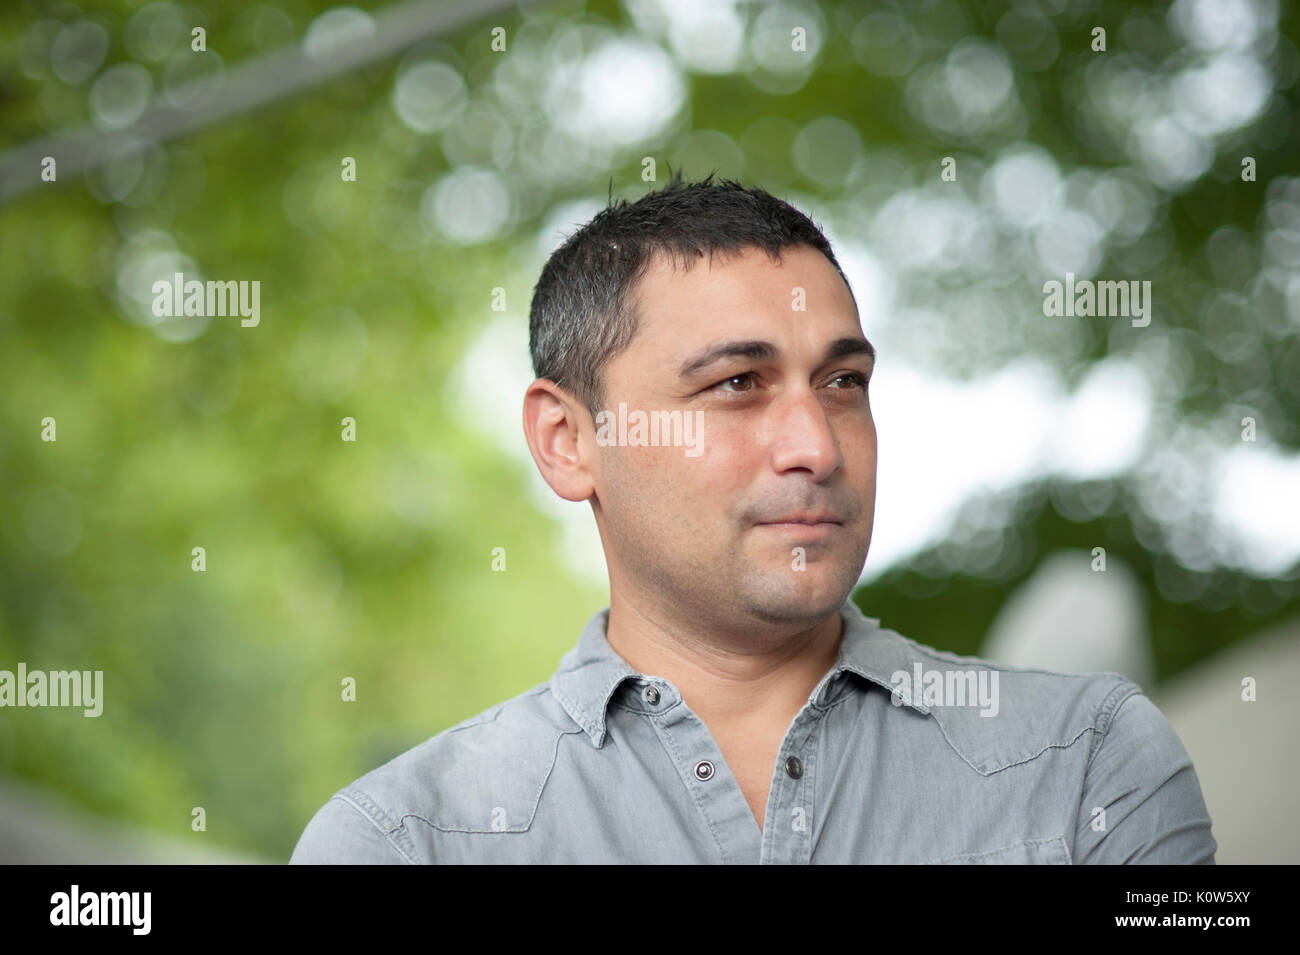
x=803 y=519
x=803 y=526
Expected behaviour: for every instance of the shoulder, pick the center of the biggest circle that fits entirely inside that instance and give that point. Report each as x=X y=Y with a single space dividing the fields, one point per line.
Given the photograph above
x=997 y=716
x=485 y=774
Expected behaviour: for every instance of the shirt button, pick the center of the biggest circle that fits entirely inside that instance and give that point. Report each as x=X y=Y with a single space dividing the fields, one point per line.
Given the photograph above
x=794 y=767
x=651 y=696
x=703 y=770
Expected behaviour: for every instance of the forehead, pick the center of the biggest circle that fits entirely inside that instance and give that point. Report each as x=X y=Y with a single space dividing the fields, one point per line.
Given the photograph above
x=746 y=292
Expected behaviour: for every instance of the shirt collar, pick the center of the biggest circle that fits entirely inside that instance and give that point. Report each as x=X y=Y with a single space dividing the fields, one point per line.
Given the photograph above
x=589 y=674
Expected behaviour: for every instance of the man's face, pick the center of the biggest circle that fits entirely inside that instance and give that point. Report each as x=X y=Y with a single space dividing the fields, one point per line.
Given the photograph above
x=769 y=518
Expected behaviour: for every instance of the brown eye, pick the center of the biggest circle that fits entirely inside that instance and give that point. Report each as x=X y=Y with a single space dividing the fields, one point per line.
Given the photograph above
x=746 y=377
x=857 y=379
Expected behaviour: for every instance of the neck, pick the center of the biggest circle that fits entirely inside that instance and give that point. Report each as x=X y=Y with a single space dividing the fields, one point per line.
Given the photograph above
x=734 y=678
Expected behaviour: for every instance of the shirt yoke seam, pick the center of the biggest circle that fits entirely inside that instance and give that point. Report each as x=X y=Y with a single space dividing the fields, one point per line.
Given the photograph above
x=1098 y=727
x=495 y=711
x=373 y=814
x=1066 y=744
x=560 y=735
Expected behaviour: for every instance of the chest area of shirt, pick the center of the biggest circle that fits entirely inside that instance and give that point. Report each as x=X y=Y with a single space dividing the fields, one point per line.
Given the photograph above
x=751 y=755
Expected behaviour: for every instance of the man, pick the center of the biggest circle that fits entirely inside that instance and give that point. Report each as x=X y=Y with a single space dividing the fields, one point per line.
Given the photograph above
x=702 y=381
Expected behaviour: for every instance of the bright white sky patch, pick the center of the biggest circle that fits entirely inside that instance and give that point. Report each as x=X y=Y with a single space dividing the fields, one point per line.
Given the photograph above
x=486 y=388
x=941 y=440
x=1102 y=429
x=625 y=91
x=1257 y=501
x=706 y=37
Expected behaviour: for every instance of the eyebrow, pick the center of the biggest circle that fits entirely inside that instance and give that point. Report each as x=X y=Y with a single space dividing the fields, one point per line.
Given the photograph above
x=766 y=351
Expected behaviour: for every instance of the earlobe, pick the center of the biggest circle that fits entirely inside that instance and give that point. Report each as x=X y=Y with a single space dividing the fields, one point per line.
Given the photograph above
x=552 y=428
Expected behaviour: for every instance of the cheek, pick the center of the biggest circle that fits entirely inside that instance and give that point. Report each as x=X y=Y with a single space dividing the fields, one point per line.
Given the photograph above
x=647 y=484
x=690 y=490
x=727 y=458
x=665 y=507
x=859 y=444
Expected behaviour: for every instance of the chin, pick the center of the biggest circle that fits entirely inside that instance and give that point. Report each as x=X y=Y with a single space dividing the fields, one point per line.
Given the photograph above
x=814 y=597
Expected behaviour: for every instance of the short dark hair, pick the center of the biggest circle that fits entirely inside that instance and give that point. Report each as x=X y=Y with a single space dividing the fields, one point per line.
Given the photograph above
x=584 y=313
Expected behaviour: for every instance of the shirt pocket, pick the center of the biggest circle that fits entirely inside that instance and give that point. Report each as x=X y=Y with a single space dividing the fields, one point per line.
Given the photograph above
x=1051 y=850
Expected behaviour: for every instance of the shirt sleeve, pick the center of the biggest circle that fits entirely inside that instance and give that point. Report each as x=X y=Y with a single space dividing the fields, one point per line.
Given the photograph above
x=341 y=834
x=1142 y=778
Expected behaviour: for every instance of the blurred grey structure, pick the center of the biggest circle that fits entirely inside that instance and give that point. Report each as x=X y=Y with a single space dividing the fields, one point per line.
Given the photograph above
x=1069 y=618
x=1073 y=619
x=351 y=39
x=1245 y=752
x=38 y=828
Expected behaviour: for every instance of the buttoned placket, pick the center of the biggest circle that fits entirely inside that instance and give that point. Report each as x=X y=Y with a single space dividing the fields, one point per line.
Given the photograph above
x=788 y=825
x=786 y=836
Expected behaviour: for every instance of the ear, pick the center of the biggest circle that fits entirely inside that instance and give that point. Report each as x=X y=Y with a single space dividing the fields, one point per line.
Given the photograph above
x=553 y=425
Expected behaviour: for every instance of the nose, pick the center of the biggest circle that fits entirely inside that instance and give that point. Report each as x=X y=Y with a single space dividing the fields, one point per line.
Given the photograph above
x=802 y=438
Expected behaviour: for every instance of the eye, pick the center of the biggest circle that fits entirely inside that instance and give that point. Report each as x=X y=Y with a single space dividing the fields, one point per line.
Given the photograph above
x=858 y=379
x=744 y=377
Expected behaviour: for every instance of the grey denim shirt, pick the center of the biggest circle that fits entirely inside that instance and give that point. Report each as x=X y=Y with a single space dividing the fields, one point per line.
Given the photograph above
x=902 y=754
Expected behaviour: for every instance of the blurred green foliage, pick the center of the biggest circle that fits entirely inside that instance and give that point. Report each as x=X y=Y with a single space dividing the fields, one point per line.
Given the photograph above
x=371 y=560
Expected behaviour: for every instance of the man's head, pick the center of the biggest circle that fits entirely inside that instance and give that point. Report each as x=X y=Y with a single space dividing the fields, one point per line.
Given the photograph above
x=759 y=342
